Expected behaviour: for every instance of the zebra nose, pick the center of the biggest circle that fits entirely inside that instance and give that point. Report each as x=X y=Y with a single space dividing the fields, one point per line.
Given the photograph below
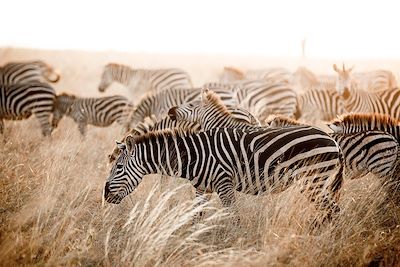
x=172 y=113
x=101 y=89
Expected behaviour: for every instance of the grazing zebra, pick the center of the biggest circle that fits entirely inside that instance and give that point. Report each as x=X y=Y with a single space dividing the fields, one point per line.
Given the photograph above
x=360 y=101
x=223 y=160
x=95 y=111
x=20 y=101
x=319 y=105
x=277 y=75
x=262 y=98
x=369 y=143
x=211 y=113
x=142 y=80
x=27 y=72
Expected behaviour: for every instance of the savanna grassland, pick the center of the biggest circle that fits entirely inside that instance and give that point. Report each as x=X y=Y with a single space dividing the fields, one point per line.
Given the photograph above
x=52 y=212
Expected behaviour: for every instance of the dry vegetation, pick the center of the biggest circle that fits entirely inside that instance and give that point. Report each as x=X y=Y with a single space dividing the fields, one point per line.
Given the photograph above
x=52 y=213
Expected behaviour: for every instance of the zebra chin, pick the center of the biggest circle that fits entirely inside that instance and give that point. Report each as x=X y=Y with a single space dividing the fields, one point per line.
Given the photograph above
x=109 y=197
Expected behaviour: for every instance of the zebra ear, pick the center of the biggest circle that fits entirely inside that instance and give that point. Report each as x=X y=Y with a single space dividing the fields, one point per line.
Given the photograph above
x=335 y=68
x=130 y=142
x=120 y=145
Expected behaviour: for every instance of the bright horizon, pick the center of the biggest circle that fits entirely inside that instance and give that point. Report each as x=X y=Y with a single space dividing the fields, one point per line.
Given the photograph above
x=332 y=29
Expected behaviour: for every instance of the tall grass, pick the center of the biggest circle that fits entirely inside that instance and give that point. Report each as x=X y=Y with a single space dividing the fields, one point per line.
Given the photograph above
x=52 y=213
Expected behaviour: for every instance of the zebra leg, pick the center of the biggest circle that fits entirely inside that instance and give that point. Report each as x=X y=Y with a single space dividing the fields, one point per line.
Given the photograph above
x=201 y=198
x=82 y=128
x=44 y=120
x=1 y=126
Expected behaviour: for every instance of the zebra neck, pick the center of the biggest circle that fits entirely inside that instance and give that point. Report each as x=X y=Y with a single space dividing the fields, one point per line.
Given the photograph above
x=124 y=75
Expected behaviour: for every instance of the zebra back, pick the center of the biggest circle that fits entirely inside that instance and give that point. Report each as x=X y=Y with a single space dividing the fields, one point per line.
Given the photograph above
x=27 y=72
x=354 y=123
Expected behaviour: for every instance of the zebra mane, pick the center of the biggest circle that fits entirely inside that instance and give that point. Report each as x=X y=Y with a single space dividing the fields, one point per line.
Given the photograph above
x=162 y=133
x=280 y=121
x=234 y=70
x=353 y=123
x=215 y=101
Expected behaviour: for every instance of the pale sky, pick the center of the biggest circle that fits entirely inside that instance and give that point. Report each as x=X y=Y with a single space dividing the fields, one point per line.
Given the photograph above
x=339 y=28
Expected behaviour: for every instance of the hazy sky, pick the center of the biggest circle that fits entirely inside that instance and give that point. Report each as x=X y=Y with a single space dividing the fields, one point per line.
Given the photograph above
x=339 y=28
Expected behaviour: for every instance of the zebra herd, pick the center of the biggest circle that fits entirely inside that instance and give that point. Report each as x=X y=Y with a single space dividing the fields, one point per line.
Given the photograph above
x=221 y=136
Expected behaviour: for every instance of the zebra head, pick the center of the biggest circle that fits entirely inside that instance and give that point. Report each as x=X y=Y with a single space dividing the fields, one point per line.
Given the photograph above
x=189 y=112
x=343 y=82
x=125 y=174
x=62 y=106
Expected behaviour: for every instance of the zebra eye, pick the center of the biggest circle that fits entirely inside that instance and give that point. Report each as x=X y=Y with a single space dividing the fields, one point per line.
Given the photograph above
x=120 y=165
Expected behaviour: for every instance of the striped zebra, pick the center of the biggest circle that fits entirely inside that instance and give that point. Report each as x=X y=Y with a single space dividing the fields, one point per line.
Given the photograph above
x=210 y=113
x=142 y=80
x=27 y=72
x=158 y=103
x=360 y=101
x=101 y=111
x=277 y=75
x=262 y=98
x=372 y=81
x=20 y=101
x=319 y=105
x=223 y=160
x=369 y=143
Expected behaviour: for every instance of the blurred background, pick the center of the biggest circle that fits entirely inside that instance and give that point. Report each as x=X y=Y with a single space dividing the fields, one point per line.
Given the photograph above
x=339 y=29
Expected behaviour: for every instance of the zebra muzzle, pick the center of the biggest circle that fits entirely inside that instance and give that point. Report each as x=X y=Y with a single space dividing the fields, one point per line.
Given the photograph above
x=109 y=197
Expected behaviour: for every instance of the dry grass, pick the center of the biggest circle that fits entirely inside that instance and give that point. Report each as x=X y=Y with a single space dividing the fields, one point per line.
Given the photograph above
x=51 y=213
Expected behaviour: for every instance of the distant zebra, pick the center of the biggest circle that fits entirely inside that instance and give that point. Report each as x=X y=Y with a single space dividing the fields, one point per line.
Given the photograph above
x=371 y=81
x=277 y=75
x=223 y=160
x=27 y=72
x=94 y=111
x=20 y=101
x=303 y=79
x=361 y=101
x=319 y=105
x=262 y=98
x=369 y=142
x=139 y=81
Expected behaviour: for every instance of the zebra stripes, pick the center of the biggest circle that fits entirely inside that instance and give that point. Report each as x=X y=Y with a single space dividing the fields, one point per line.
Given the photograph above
x=319 y=104
x=262 y=98
x=20 y=101
x=94 y=111
x=211 y=113
x=277 y=75
x=27 y=72
x=223 y=160
x=142 y=80
x=369 y=143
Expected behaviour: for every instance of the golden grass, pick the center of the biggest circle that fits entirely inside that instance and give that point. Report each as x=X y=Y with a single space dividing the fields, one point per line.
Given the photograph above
x=52 y=213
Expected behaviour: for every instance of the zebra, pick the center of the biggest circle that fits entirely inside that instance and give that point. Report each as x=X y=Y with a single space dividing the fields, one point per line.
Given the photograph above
x=210 y=113
x=371 y=81
x=262 y=98
x=278 y=75
x=369 y=143
x=101 y=111
x=20 y=101
x=139 y=80
x=158 y=103
x=305 y=80
x=360 y=101
x=223 y=160
x=316 y=104
x=27 y=72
